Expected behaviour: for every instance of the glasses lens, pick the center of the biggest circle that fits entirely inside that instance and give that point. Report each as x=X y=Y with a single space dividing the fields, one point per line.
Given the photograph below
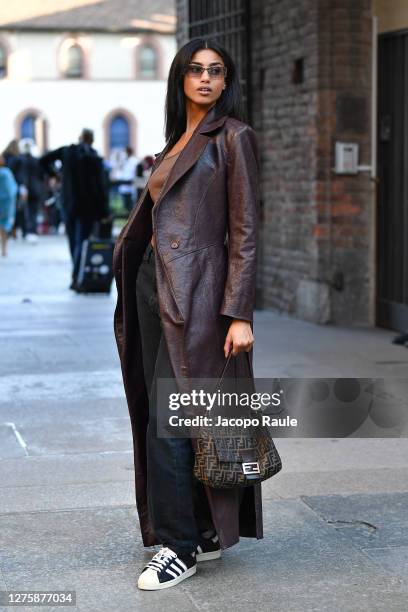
x=194 y=70
x=216 y=71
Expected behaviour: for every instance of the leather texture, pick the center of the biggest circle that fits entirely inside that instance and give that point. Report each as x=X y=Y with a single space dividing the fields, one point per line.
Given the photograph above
x=205 y=224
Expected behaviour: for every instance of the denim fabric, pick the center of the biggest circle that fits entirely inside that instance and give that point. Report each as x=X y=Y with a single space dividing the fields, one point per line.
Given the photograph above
x=31 y=212
x=177 y=502
x=78 y=230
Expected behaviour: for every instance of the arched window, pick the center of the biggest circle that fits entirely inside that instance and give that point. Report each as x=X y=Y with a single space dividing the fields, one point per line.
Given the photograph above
x=119 y=133
x=74 y=62
x=147 y=56
x=32 y=124
x=27 y=127
x=3 y=62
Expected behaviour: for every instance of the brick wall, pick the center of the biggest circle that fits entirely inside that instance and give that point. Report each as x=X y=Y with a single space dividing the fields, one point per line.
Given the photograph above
x=316 y=255
x=287 y=31
x=315 y=251
x=345 y=205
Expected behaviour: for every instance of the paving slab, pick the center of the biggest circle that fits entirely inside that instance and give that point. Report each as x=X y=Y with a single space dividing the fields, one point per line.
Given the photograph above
x=106 y=434
x=322 y=454
x=52 y=386
x=60 y=497
x=394 y=559
x=3 y=585
x=102 y=590
x=368 y=521
x=63 y=408
x=9 y=445
x=342 y=482
x=286 y=346
x=96 y=552
x=54 y=351
x=67 y=469
x=299 y=566
x=71 y=539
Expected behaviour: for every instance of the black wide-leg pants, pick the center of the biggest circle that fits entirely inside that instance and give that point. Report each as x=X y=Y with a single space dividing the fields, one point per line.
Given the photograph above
x=177 y=502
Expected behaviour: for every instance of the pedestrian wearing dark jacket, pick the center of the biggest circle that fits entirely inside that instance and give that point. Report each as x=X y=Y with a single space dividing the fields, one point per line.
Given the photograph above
x=30 y=178
x=84 y=196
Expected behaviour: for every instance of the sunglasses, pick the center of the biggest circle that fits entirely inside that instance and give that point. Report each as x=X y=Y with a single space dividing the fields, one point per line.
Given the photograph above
x=214 y=72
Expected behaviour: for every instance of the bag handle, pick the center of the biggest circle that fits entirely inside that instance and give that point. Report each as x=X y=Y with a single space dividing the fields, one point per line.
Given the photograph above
x=227 y=360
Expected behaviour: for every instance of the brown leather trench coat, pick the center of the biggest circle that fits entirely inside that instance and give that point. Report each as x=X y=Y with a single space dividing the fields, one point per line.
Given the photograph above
x=205 y=225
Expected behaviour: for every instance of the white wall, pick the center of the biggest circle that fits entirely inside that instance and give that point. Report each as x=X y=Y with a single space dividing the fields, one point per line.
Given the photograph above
x=68 y=105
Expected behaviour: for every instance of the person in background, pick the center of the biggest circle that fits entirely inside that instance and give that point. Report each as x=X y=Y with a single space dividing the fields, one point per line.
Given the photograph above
x=11 y=154
x=30 y=178
x=84 y=195
x=12 y=159
x=52 y=204
x=142 y=174
x=116 y=162
x=128 y=176
x=8 y=192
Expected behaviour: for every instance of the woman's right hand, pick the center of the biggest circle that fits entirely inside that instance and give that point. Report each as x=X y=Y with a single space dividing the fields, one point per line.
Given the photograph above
x=239 y=337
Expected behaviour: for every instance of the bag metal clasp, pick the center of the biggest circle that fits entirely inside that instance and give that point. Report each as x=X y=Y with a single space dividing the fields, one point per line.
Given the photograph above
x=251 y=467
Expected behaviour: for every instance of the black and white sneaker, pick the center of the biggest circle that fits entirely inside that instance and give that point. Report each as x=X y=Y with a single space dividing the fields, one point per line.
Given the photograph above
x=208 y=549
x=166 y=569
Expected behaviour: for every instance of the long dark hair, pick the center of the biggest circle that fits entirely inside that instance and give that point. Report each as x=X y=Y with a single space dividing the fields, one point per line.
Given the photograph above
x=229 y=103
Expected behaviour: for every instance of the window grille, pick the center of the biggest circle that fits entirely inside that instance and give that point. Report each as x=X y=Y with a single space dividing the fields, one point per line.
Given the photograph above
x=227 y=21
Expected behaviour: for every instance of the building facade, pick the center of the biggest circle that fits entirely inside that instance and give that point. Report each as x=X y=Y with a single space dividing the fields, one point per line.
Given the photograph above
x=101 y=66
x=328 y=115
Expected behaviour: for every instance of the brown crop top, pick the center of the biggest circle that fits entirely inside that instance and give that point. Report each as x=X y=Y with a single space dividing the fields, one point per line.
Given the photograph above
x=158 y=177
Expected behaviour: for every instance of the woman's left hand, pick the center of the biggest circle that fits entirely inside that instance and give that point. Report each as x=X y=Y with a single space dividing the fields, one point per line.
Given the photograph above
x=239 y=337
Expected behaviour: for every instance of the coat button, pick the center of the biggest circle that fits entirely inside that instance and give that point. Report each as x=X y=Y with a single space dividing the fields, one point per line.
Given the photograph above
x=175 y=244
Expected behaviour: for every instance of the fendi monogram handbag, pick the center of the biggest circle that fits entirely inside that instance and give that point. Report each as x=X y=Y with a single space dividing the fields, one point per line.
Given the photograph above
x=235 y=457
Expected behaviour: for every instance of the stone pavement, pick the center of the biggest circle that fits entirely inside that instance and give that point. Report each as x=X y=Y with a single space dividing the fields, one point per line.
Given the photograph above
x=336 y=517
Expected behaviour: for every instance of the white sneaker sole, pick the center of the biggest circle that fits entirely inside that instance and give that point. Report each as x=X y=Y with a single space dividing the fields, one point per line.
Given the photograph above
x=208 y=556
x=168 y=584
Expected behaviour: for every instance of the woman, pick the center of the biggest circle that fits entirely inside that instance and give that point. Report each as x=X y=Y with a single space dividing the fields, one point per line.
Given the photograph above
x=185 y=266
x=8 y=193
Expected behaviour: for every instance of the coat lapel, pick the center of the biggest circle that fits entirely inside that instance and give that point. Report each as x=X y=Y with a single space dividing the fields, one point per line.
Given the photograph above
x=187 y=158
x=191 y=152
